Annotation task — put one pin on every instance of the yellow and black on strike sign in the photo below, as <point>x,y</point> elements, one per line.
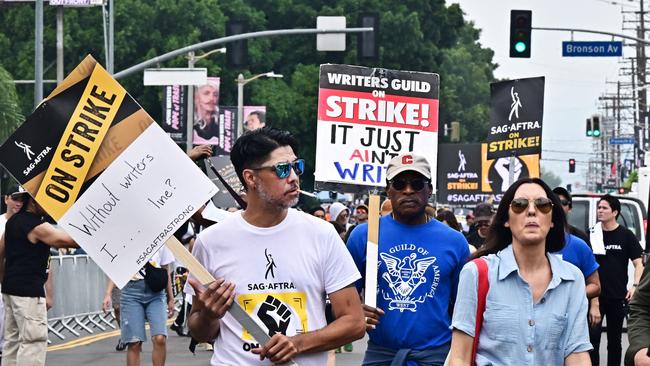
<point>516,112</point>
<point>73,135</point>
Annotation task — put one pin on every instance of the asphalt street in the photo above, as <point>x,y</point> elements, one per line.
<point>99,350</point>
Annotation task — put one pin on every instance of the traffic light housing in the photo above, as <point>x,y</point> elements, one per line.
<point>520,31</point>
<point>589,130</point>
<point>236,52</point>
<point>572,165</point>
<point>368,42</point>
<point>595,126</point>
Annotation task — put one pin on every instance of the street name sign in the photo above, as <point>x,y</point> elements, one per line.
<point>621,140</point>
<point>592,49</point>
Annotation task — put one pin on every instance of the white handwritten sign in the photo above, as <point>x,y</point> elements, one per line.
<point>136,204</point>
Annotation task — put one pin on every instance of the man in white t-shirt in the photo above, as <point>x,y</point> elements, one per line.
<point>277,263</point>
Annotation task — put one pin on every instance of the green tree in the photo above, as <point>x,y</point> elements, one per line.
<point>552,179</point>
<point>10,116</point>
<point>417,35</point>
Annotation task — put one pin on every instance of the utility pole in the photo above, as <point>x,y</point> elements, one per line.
<point>59,44</point>
<point>641,136</point>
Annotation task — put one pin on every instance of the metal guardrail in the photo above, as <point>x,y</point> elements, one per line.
<point>79,287</point>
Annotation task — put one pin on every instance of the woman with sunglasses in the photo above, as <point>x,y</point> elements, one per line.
<point>536,310</point>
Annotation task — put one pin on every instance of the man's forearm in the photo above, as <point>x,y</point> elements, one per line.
<point>593,290</point>
<point>343,330</point>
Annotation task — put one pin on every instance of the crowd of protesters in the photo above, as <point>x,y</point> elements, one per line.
<point>519,286</point>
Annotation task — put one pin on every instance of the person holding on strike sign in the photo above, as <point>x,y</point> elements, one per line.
<point>535,307</point>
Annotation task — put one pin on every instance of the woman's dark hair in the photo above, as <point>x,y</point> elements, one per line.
<point>450,218</point>
<point>313,210</point>
<point>499,236</point>
<point>253,148</point>
<point>338,227</point>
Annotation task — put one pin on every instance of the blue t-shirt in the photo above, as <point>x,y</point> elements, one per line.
<point>578,253</point>
<point>417,280</point>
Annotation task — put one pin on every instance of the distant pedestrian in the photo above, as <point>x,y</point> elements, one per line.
<point>621,247</point>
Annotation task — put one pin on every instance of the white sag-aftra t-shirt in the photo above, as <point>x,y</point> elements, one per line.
<point>282,275</point>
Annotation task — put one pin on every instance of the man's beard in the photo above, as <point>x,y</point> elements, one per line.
<point>266,197</point>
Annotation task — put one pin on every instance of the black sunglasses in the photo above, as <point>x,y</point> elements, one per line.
<point>416,184</point>
<point>565,202</point>
<point>283,170</point>
<point>543,204</point>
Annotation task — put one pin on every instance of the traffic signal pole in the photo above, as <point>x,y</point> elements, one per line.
<point>218,41</point>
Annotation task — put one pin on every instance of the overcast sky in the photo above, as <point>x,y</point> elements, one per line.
<point>573,85</point>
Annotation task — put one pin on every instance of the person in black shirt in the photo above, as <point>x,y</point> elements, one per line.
<point>621,246</point>
<point>482,216</point>
<point>24,261</point>
<point>567,205</point>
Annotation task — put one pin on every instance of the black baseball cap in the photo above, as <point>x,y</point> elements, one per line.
<point>16,191</point>
<point>563,192</point>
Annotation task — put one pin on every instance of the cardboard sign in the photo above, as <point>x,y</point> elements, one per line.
<point>110,176</point>
<point>467,176</point>
<point>516,112</point>
<point>223,198</point>
<point>367,116</point>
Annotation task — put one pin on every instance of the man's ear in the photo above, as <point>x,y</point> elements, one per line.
<point>249,178</point>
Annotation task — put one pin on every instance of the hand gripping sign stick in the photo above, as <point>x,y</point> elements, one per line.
<point>205,277</point>
<point>372,252</point>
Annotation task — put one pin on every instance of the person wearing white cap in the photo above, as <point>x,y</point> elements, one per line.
<point>420,260</point>
<point>339,214</point>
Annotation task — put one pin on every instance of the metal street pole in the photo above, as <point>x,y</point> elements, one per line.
<point>190,105</point>
<point>111,33</point>
<point>218,41</point>
<point>240,96</point>
<point>38,54</point>
<point>240,104</point>
<point>59,44</point>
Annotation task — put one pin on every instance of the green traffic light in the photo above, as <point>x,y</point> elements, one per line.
<point>596,133</point>
<point>520,46</point>
<point>589,133</point>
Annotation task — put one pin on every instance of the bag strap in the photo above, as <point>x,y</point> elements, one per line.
<point>483,287</point>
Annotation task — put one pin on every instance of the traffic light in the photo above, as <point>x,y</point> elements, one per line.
<point>236,52</point>
<point>589,132</point>
<point>572,165</point>
<point>595,126</point>
<point>520,30</point>
<point>368,42</point>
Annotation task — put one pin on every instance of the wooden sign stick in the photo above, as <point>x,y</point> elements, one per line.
<point>184,256</point>
<point>372,252</point>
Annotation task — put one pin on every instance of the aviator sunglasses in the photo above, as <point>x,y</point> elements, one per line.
<point>283,170</point>
<point>416,184</point>
<point>543,204</point>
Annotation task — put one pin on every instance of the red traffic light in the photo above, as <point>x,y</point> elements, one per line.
<point>572,165</point>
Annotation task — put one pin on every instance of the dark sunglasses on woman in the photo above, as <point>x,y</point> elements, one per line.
<point>543,204</point>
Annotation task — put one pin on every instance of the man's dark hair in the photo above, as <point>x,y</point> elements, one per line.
<point>254,147</point>
<point>260,115</point>
<point>614,203</point>
<point>499,236</point>
<point>313,210</point>
<point>563,192</point>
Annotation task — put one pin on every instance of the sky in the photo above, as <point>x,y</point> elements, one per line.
<point>573,84</point>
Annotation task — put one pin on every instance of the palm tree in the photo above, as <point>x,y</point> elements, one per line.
<point>10,116</point>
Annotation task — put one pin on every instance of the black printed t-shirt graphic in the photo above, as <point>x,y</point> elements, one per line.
<point>26,262</point>
<point>620,247</point>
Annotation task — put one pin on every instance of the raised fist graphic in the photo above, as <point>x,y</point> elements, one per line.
<point>275,315</point>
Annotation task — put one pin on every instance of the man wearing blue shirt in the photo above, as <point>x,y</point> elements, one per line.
<point>419,263</point>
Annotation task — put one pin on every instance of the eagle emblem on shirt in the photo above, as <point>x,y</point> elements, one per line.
<point>404,276</point>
